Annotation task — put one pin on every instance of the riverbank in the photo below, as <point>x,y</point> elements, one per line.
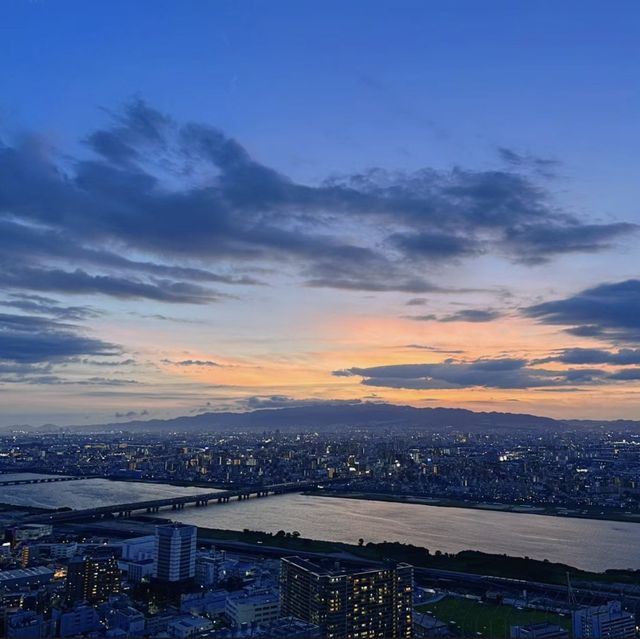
<point>554,511</point>
<point>32,510</point>
<point>467,561</point>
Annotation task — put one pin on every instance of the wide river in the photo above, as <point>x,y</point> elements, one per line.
<point>585,543</point>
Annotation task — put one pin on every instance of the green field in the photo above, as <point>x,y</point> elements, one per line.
<point>473,617</point>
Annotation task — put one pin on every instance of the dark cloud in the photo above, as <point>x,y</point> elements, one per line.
<point>57,380</point>
<point>503,373</point>
<point>103,381</point>
<point>17,238</point>
<point>608,311</point>
<point>537,243</point>
<point>31,339</point>
<point>166,318</point>
<point>48,306</point>
<point>433,349</point>
<point>434,246</point>
<point>622,357</point>
<point>363,283</point>
<point>131,414</point>
<point>472,315</point>
<point>95,362</point>
<point>184,199</point>
<point>80,282</point>
<point>465,315</point>
<point>193,362</point>
<point>12,372</point>
<point>283,401</point>
<point>627,374</point>
<point>361,269</point>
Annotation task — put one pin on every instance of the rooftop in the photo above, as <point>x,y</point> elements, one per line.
<point>25,573</point>
<point>332,568</point>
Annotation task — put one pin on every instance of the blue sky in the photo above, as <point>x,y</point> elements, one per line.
<point>519,120</point>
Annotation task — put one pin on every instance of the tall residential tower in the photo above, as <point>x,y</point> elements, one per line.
<point>349,601</point>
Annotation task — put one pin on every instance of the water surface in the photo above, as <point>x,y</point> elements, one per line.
<point>584,543</point>
<point>87,493</point>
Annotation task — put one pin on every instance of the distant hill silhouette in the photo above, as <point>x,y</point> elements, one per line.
<point>333,416</point>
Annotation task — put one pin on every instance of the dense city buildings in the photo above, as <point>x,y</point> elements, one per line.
<point>348,602</point>
<point>582,471</point>
<point>135,572</point>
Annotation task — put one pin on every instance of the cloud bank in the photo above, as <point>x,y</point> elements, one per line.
<point>193,211</point>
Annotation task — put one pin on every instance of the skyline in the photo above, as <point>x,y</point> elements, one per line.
<point>261,205</point>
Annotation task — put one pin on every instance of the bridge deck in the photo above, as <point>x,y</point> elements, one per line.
<point>153,505</point>
<point>38,480</point>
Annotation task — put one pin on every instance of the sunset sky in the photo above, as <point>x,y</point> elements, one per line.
<point>227,205</point>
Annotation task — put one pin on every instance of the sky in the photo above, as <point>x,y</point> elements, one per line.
<point>229,205</point>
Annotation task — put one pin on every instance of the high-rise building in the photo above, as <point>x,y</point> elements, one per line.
<point>176,552</point>
<point>348,601</point>
<point>93,578</point>
<point>603,621</point>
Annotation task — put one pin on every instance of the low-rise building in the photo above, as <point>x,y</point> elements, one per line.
<point>127,619</point>
<point>136,571</point>
<point>78,621</point>
<point>139,548</point>
<point>25,578</point>
<point>188,626</point>
<point>247,607</point>
<point>209,569</point>
<point>25,623</point>
<point>209,602</point>
<point>287,627</point>
<point>603,621</point>
<point>543,630</point>
<point>425,625</point>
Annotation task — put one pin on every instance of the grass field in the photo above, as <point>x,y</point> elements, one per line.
<point>474,617</point>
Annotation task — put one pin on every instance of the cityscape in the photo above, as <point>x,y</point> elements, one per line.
<point>319,319</point>
<point>127,562</point>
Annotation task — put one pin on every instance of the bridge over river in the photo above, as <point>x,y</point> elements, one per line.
<point>174,503</point>
<point>40,480</point>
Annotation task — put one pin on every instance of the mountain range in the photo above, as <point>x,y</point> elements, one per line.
<point>342,415</point>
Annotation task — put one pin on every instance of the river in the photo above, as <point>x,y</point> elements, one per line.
<point>584,543</point>
<point>86,493</point>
